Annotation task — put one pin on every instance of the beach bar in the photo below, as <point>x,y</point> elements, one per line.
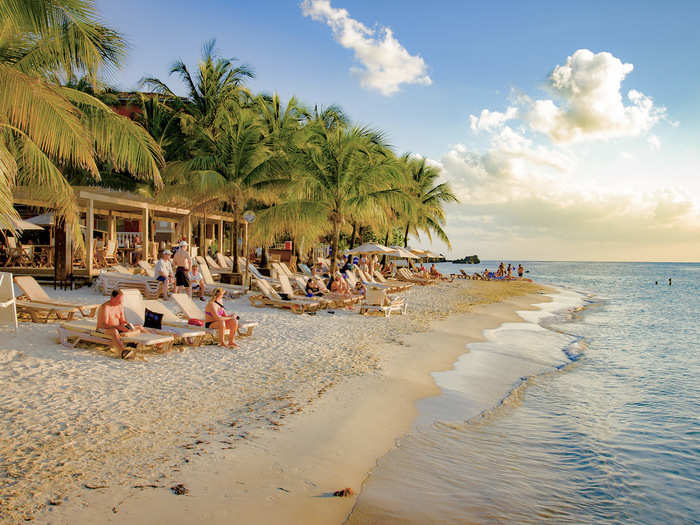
<point>145,226</point>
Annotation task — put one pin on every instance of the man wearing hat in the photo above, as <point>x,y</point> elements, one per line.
<point>183,263</point>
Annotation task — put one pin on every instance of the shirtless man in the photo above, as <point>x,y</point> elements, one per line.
<point>182,262</point>
<point>111,321</point>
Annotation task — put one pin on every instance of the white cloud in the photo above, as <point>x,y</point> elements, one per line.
<point>592,106</point>
<point>520,202</point>
<point>654,142</point>
<point>491,120</point>
<point>385,63</point>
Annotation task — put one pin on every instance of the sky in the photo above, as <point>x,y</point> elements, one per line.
<point>569,131</point>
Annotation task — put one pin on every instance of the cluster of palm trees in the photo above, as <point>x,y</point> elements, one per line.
<point>308,174</point>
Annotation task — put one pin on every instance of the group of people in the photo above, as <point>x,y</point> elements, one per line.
<point>112,322</point>
<point>187,277</point>
<point>504,272</point>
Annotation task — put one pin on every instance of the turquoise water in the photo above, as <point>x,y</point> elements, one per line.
<point>595,411</point>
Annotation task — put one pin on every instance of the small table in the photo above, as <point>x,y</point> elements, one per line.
<point>231,278</point>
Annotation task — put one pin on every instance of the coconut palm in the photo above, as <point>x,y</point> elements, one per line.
<point>345,173</point>
<point>226,167</point>
<point>48,130</point>
<point>427,214</point>
<point>213,91</point>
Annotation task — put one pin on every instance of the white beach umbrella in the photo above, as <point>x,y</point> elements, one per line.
<point>403,253</point>
<point>370,248</point>
<point>45,219</point>
<point>22,225</point>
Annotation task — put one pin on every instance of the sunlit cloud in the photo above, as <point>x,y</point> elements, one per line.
<point>384,63</point>
<point>591,105</point>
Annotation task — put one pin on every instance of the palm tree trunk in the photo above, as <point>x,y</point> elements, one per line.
<point>352,237</point>
<point>334,246</point>
<point>405,236</point>
<point>386,243</point>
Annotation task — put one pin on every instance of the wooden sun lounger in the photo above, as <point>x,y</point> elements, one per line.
<point>42,313</point>
<point>210,285</point>
<point>400,286</point>
<point>192,311</point>
<point>32,291</point>
<point>108,281</point>
<point>147,268</point>
<point>379,301</point>
<point>336,300</point>
<point>270,297</point>
<point>404,275</point>
<point>135,312</point>
<point>391,288</point>
<point>223,264</point>
<point>86,331</point>
<point>286,288</point>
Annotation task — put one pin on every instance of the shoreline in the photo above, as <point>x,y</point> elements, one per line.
<point>288,476</point>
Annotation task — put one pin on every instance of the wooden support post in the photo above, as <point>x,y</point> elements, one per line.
<point>111,226</point>
<point>145,241</point>
<point>188,230</point>
<point>220,244</point>
<point>203,236</point>
<point>90,244</point>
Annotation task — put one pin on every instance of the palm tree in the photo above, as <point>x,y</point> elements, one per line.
<point>345,172</point>
<point>49,130</point>
<point>212,93</point>
<point>427,215</point>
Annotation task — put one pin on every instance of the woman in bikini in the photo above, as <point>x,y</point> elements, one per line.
<point>216,317</point>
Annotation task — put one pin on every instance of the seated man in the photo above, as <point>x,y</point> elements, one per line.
<point>111,321</point>
<point>196,281</point>
<point>163,271</point>
<point>434,272</point>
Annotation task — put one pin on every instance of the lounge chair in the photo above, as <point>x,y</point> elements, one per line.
<point>223,264</point>
<point>135,313</point>
<point>405,275</point>
<point>86,331</point>
<point>286,288</point>
<point>147,268</point>
<point>210,285</point>
<point>216,271</point>
<point>42,313</point>
<point>270,297</point>
<point>8,309</point>
<point>108,281</point>
<point>391,288</point>
<point>305,269</point>
<point>110,254</point>
<point>260,277</point>
<point>336,300</point>
<point>213,264</point>
<point>392,282</point>
<point>118,268</point>
<point>379,301</point>
<point>33,292</point>
<point>193,311</point>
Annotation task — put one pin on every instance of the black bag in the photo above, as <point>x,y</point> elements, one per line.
<point>153,320</point>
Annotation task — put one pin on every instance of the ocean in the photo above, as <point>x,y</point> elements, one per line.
<point>588,412</point>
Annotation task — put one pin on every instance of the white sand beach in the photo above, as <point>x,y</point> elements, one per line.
<point>264,433</point>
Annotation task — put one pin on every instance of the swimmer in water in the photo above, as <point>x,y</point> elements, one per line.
<point>670,282</point>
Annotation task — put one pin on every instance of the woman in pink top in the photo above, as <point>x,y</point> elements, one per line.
<point>216,317</point>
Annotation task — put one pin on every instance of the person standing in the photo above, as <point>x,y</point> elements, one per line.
<point>183,262</point>
<point>520,271</point>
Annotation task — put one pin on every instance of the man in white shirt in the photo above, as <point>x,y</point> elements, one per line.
<point>196,281</point>
<point>163,271</point>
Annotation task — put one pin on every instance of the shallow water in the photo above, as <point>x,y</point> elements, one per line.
<point>592,411</point>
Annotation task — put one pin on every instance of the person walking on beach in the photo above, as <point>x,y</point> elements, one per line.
<point>111,322</point>
<point>521,270</point>
<point>183,262</point>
